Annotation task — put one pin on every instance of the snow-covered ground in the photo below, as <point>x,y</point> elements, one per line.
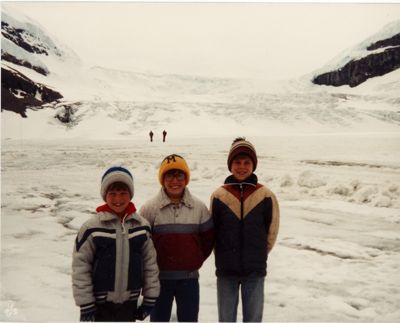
<point>338,252</point>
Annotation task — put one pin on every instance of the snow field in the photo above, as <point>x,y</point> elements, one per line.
<point>337,256</point>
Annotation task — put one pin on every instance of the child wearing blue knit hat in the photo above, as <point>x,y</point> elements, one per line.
<point>114,260</point>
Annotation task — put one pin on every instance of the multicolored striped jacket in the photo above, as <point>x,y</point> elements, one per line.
<point>246,220</point>
<point>183,235</point>
<point>114,260</point>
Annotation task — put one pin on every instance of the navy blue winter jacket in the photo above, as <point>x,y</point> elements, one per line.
<point>246,221</point>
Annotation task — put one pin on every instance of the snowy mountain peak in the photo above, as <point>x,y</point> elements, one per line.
<point>388,36</point>
<point>26,43</point>
<point>126,104</point>
<point>27,36</point>
<point>30,61</point>
<point>375,56</point>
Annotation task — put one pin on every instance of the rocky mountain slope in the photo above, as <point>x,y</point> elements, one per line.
<point>19,92</point>
<point>28,57</point>
<point>45,81</point>
<point>374,57</point>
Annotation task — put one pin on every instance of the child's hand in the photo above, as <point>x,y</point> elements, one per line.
<point>88,313</point>
<point>143,311</point>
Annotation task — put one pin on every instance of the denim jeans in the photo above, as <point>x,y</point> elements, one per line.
<point>187,296</point>
<point>252,293</point>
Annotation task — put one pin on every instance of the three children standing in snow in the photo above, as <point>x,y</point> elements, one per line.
<point>120,255</point>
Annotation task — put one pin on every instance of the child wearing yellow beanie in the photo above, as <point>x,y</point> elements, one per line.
<point>183,235</point>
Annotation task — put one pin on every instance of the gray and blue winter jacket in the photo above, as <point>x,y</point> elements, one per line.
<point>114,260</point>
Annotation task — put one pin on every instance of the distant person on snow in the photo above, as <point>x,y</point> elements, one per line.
<point>183,235</point>
<point>246,220</point>
<point>114,259</point>
<point>164,135</point>
<point>151,134</point>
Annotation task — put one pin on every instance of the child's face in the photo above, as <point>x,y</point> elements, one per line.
<point>242,167</point>
<point>174,183</point>
<point>118,200</point>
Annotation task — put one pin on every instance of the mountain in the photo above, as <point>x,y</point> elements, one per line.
<point>63,98</point>
<point>28,58</point>
<point>19,92</point>
<point>376,56</point>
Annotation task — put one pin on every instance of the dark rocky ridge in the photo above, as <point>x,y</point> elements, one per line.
<point>19,92</point>
<point>358,71</point>
<point>16,36</point>
<point>393,41</point>
<point>12,59</point>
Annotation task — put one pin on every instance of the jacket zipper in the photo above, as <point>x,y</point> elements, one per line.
<point>123,224</point>
<point>118,287</point>
<point>241,229</point>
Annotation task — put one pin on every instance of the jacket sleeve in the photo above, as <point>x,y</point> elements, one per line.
<point>207,233</point>
<point>274,226</point>
<point>82,266</point>
<point>212,206</point>
<point>215,208</point>
<point>151,288</point>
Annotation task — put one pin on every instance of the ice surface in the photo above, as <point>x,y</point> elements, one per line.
<point>338,252</point>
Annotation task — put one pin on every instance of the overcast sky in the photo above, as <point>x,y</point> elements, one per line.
<point>269,40</point>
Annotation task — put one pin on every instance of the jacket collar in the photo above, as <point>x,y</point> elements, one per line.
<point>163,200</point>
<point>107,214</point>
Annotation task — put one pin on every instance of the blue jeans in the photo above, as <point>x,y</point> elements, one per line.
<point>187,296</point>
<point>252,292</point>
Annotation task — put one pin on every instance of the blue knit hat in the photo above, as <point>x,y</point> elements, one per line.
<point>113,175</point>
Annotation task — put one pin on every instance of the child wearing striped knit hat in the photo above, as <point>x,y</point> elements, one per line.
<point>114,259</point>
<point>246,221</point>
